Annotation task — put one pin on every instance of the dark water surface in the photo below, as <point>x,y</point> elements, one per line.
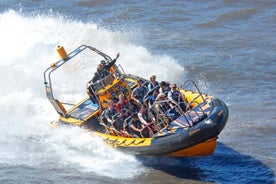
<point>227,47</point>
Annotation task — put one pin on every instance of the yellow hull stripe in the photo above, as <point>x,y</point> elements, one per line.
<point>115,141</point>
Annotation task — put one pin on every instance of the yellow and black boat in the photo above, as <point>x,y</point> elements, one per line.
<point>192,132</point>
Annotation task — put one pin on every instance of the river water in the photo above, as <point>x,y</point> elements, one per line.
<point>226,46</point>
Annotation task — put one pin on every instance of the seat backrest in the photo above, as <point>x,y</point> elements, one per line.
<point>127,120</point>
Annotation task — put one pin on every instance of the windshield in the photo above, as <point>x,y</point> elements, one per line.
<point>68,83</point>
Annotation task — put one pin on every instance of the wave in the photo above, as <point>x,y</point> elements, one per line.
<point>28,44</point>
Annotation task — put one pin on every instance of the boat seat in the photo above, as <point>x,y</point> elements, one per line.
<point>126,126</point>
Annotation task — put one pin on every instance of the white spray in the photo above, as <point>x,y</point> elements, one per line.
<point>27,48</point>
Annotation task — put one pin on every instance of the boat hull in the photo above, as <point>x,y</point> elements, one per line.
<point>198,140</point>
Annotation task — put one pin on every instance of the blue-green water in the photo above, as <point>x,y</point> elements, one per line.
<point>227,47</point>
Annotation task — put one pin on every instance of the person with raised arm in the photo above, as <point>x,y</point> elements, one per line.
<point>103,69</point>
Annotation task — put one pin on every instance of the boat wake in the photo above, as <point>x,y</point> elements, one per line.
<point>27,138</point>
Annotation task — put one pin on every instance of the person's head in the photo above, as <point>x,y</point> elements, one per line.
<point>163,84</point>
<point>153,78</point>
<point>173,87</point>
<point>134,117</point>
<point>110,103</point>
<point>100,67</point>
<point>140,82</point>
<point>144,108</point>
<point>122,112</point>
<point>121,97</point>
<point>155,92</point>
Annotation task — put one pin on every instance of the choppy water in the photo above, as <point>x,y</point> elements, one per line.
<point>227,47</point>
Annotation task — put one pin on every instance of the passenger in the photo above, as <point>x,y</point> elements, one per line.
<point>162,105</point>
<point>122,103</point>
<point>109,113</point>
<point>139,92</point>
<point>103,69</point>
<point>133,107</point>
<point>172,112</point>
<point>144,117</point>
<point>164,87</point>
<point>164,109</point>
<point>177,97</point>
<point>153,83</point>
<point>119,122</point>
<point>153,97</point>
<point>114,97</point>
<point>137,128</point>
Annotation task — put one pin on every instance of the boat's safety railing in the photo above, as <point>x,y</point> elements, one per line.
<point>120,70</point>
<point>145,132</point>
<point>126,127</point>
<point>163,112</point>
<point>93,88</point>
<point>200,113</point>
<point>54,66</point>
<point>149,93</point>
<point>109,126</point>
<point>123,131</point>
<point>200,95</point>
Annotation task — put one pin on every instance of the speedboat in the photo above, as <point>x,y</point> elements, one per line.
<point>190,132</point>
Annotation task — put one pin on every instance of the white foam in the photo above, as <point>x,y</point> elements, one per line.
<point>28,48</point>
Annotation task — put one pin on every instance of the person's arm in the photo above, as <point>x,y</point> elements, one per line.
<point>113,62</point>
<point>134,128</point>
<point>142,119</point>
<point>170,95</point>
<point>133,94</point>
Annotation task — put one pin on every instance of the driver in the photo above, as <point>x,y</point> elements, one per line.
<point>103,69</point>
